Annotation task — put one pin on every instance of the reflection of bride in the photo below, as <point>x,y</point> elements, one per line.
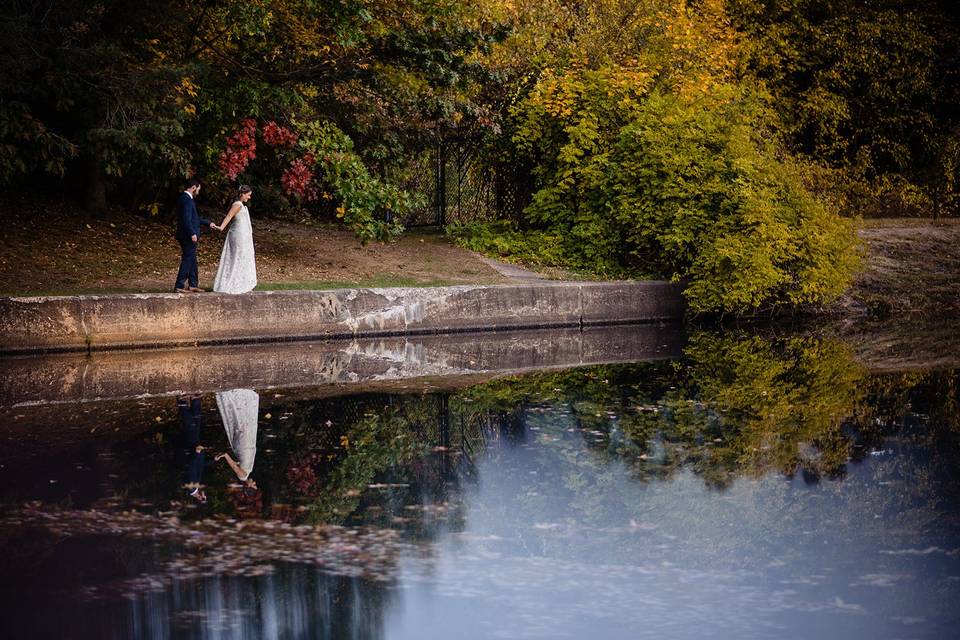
<point>239,409</point>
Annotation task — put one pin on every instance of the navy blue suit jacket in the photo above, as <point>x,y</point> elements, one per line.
<point>189,222</point>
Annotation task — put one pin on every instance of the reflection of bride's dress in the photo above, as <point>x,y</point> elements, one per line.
<point>237,272</point>
<point>239,409</point>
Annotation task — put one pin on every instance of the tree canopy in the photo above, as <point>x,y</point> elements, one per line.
<point>716,142</point>
<point>135,97</point>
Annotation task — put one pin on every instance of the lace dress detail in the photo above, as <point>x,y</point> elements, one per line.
<point>239,409</point>
<point>237,272</point>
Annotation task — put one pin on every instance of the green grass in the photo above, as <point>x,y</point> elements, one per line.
<point>375,282</point>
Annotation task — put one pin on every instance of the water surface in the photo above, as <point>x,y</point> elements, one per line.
<point>752,488</point>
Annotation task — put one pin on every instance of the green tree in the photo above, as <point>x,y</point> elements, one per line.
<point>697,194</point>
<point>133,98</point>
<point>868,88</point>
<point>654,157</point>
<point>87,91</point>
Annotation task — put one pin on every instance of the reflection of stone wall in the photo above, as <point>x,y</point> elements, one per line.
<point>74,377</point>
<point>82,323</point>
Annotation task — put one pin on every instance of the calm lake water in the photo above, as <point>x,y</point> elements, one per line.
<point>752,488</point>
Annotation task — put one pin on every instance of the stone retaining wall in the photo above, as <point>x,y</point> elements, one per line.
<point>93,322</point>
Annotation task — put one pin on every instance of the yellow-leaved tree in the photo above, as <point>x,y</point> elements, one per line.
<point>652,155</point>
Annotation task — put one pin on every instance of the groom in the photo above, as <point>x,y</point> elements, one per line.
<point>189,224</point>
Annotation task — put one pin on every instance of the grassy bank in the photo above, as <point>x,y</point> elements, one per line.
<point>911,270</point>
<point>54,249</point>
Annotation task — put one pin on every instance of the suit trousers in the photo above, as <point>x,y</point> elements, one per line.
<point>189,272</point>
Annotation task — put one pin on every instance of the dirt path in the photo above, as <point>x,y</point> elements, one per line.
<point>52,251</point>
<point>513,272</point>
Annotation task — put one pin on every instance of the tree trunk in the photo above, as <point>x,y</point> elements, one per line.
<point>95,195</point>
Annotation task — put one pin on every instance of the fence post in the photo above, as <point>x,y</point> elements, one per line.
<point>441,178</point>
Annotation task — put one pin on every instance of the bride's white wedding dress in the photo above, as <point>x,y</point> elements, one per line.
<point>237,272</point>
<point>239,410</point>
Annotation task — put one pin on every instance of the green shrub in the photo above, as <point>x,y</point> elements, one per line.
<point>502,239</point>
<point>362,194</point>
<point>698,195</point>
<point>686,187</point>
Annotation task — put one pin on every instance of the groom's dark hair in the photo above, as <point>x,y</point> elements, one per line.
<point>192,182</point>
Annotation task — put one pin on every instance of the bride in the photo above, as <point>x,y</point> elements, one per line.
<point>237,272</point>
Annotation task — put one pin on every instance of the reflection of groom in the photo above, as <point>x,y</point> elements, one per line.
<point>194,458</point>
<point>189,224</point>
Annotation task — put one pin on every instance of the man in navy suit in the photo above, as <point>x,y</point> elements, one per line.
<point>189,224</point>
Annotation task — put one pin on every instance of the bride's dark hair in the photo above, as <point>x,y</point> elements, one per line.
<point>242,189</point>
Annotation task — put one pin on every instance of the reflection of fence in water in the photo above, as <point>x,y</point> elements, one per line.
<point>456,432</point>
<point>460,432</point>
<point>476,431</point>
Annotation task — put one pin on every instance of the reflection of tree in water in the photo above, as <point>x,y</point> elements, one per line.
<point>781,404</point>
<point>389,461</point>
<point>733,405</point>
<point>293,602</point>
<point>385,460</point>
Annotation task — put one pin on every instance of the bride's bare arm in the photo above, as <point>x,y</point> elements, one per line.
<point>237,469</point>
<point>233,211</point>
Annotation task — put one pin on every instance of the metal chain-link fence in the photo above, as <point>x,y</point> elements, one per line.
<point>463,183</point>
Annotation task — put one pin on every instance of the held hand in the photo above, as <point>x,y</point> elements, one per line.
<point>193,238</point>
<point>214,226</point>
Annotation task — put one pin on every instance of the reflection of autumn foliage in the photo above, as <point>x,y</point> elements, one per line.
<point>302,474</point>
<point>782,403</point>
<point>329,466</point>
<point>219,545</point>
<point>247,502</point>
<point>735,404</point>
<point>373,444</point>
